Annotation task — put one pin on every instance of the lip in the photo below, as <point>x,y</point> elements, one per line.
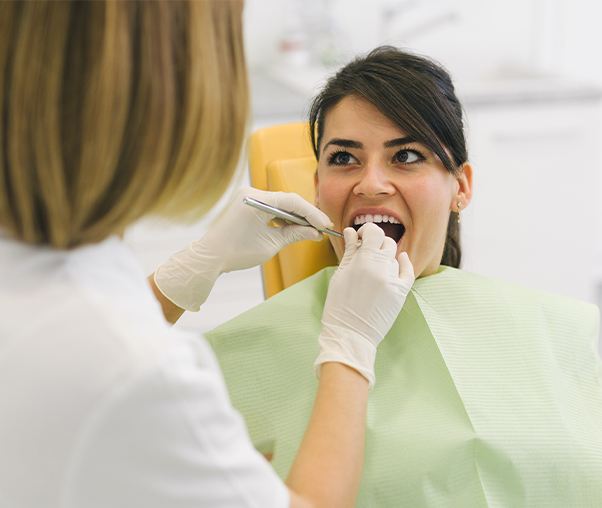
<point>373,211</point>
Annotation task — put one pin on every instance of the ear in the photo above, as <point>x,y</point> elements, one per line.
<point>464,191</point>
<point>316,187</point>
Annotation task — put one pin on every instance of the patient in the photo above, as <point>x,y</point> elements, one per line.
<point>487,394</point>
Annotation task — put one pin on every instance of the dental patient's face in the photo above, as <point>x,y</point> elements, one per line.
<point>369,171</point>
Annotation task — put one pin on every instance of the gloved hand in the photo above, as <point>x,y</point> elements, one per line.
<point>241,237</point>
<point>365,295</point>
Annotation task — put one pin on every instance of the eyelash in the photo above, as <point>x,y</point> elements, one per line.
<point>333,156</point>
<point>417,153</point>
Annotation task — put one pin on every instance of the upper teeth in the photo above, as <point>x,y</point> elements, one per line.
<point>362,219</point>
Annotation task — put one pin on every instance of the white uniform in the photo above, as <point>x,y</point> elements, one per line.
<point>102,403</point>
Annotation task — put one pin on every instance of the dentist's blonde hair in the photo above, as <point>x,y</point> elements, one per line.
<point>112,110</point>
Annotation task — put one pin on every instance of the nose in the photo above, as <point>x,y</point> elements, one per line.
<point>373,182</point>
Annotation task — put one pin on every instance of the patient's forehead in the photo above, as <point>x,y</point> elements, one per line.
<point>356,118</point>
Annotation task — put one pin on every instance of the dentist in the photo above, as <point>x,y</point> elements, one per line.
<point>111,111</point>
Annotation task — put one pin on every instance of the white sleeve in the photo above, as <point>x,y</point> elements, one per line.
<point>171,438</point>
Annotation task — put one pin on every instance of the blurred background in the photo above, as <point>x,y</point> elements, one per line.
<point>529,74</point>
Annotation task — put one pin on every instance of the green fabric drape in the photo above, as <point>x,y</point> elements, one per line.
<point>487,394</point>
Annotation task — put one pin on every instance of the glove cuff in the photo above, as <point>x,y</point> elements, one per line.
<point>338,344</point>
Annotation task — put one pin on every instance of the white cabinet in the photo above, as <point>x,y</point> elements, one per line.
<point>535,216</point>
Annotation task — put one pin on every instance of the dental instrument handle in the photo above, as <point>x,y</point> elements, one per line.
<point>286,215</point>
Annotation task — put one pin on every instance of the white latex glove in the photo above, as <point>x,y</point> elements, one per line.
<point>365,295</point>
<point>241,237</point>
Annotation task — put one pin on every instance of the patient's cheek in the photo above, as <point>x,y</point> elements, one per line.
<point>432,190</point>
<point>331,194</point>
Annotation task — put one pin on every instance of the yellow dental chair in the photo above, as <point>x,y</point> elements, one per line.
<point>281,159</point>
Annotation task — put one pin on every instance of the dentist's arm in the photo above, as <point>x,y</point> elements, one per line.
<point>240,238</point>
<point>170,310</point>
<point>365,296</point>
<point>328,467</point>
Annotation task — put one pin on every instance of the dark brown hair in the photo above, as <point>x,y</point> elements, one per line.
<point>416,94</point>
<point>111,110</point>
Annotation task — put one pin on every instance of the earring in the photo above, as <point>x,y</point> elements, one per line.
<point>459,210</point>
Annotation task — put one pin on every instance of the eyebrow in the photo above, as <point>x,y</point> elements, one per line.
<point>350,143</point>
<point>399,141</point>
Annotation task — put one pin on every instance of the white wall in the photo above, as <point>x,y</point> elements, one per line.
<point>480,36</point>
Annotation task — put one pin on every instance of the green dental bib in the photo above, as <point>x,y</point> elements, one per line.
<point>486,395</point>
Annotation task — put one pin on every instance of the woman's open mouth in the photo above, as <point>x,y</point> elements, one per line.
<point>392,227</point>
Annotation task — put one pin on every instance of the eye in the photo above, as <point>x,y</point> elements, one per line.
<point>341,158</point>
<point>407,156</point>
